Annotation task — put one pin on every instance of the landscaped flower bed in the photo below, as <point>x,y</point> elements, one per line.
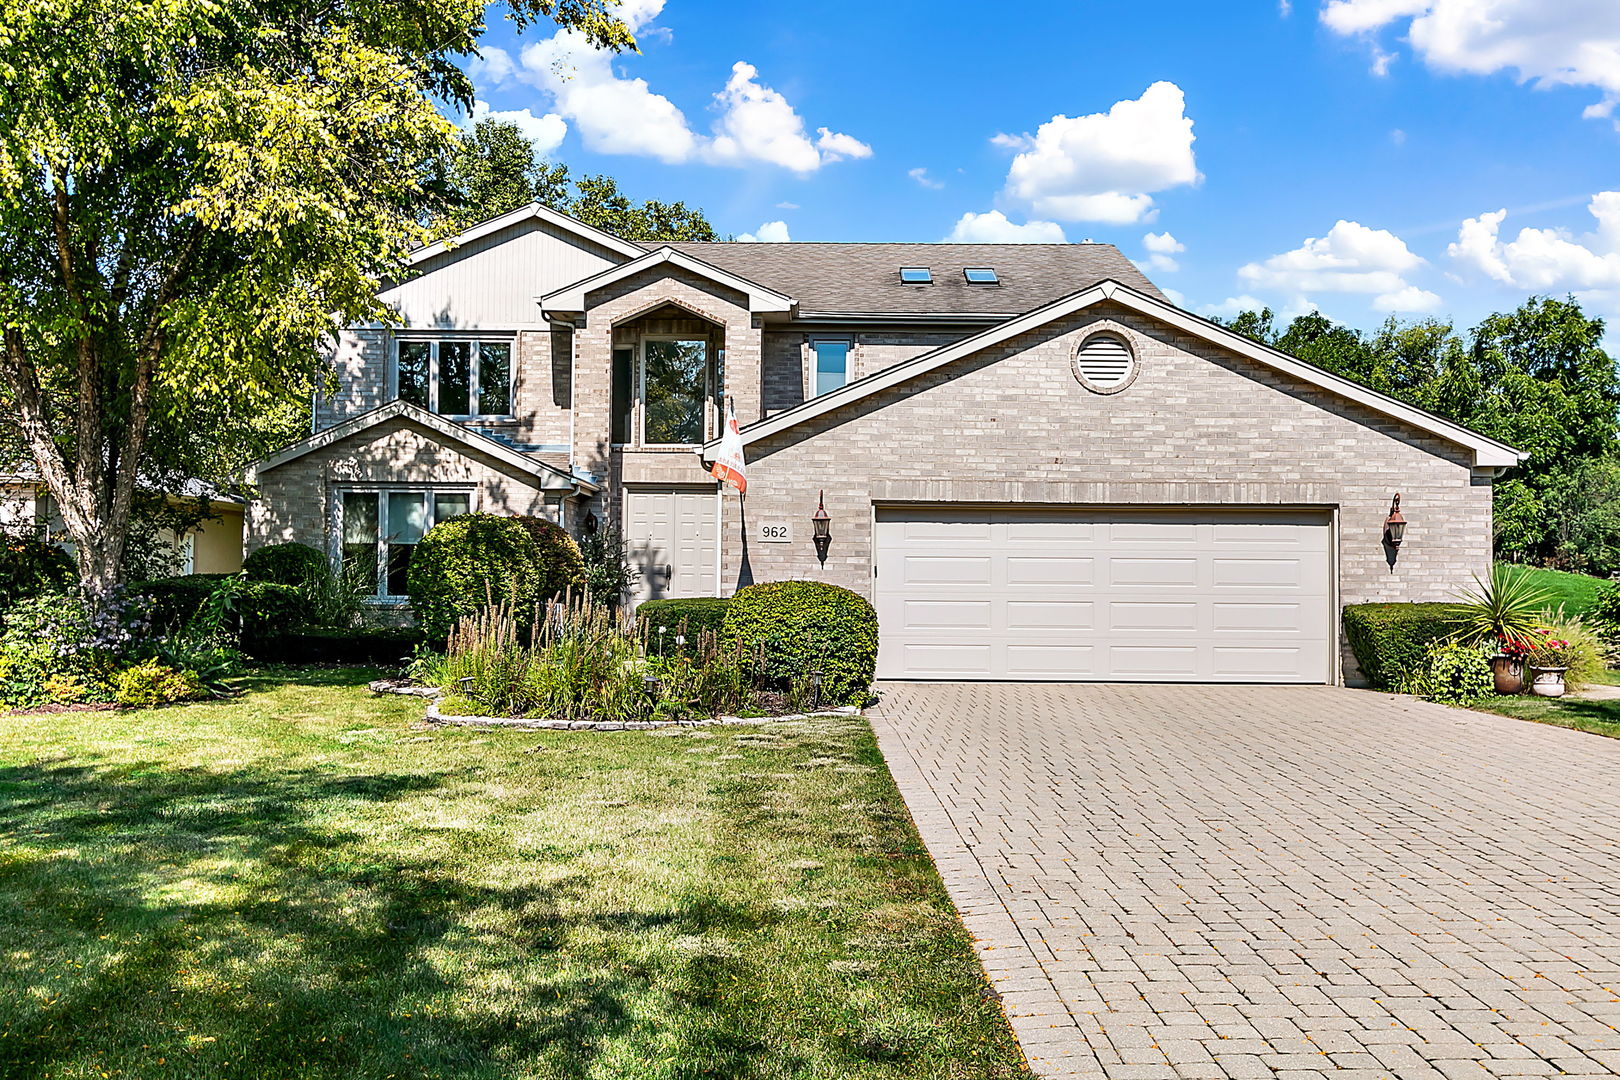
<point>581,664</point>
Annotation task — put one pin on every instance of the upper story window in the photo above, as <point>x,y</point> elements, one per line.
<point>916,275</point>
<point>455,376</point>
<point>832,366</point>
<point>981,275</point>
<point>667,392</point>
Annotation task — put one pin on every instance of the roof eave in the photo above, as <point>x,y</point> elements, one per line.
<point>570,299</point>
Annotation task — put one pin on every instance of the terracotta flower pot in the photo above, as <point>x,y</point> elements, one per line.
<point>1508,673</point>
<point>1547,681</point>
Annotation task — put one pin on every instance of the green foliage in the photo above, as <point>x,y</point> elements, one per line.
<point>1391,641</point>
<point>286,564</point>
<point>663,621</point>
<point>1536,378</point>
<point>1507,607</point>
<point>29,567</point>
<point>468,561</point>
<point>150,683</point>
<point>802,626</point>
<point>176,601</point>
<point>193,195</point>
<point>562,569</point>
<point>609,571</point>
<point>1453,673</point>
<point>491,170</point>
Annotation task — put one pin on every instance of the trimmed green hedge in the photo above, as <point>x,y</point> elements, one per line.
<point>264,609</point>
<point>466,561</point>
<point>805,626</point>
<point>31,567</point>
<point>1391,640</point>
<point>383,646</point>
<point>697,613</point>
<point>286,564</point>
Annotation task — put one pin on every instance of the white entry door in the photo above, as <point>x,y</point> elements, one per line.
<point>1068,594</point>
<point>672,534</point>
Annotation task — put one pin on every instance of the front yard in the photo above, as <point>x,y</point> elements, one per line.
<point>303,882</point>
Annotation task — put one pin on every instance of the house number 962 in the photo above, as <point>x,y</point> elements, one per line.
<point>775,532</point>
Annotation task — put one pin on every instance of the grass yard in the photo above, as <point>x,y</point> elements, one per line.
<point>1575,592</point>
<point>1597,717</point>
<point>304,883</point>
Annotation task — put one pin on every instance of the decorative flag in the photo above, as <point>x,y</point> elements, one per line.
<point>729,467</point>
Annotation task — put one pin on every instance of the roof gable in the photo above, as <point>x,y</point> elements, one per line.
<point>550,477</point>
<point>571,298</point>
<point>1488,453</point>
<point>532,212</point>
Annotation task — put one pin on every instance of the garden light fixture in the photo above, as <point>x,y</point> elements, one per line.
<point>821,524</point>
<point>1395,524</point>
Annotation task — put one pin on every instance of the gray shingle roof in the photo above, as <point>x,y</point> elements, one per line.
<point>866,277</point>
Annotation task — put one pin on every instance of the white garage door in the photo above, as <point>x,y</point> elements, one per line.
<point>1104,594</point>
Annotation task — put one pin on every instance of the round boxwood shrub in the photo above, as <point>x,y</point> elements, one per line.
<point>464,562</point>
<point>562,570</point>
<point>285,564</point>
<point>663,620</point>
<point>802,626</point>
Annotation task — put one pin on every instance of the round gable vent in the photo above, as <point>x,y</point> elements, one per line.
<point>1104,363</point>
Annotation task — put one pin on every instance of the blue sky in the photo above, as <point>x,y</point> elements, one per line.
<point>1351,155</point>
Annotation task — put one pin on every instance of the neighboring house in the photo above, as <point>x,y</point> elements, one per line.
<point>1034,464</point>
<point>214,547</point>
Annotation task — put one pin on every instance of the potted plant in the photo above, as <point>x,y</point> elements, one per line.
<point>1507,665</point>
<point>1504,611</point>
<point>1549,659</point>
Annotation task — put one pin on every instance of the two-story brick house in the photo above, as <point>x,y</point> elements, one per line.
<point>1034,464</point>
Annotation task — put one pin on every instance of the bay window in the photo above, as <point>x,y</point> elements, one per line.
<point>455,376</point>
<point>380,529</point>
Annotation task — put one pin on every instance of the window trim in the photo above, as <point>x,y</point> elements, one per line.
<point>638,406</point>
<point>381,595</point>
<point>811,370</point>
<point>474,370</point>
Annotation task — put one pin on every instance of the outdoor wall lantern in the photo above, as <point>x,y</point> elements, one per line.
<point>1395,524</point>
<point>821,525</point>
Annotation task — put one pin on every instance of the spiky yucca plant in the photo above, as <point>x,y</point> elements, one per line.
<point>1510,607</point>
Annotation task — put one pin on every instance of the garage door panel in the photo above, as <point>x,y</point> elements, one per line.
<point>1098,593</point>
<point>1050,615</point>
<point>1048,570</point>
<point>1050,661</point>
<point>1159,573</point>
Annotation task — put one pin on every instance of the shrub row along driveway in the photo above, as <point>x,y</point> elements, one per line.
<point>1284,881</point>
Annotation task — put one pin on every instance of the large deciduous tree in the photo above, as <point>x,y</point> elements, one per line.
<point>192,194</point>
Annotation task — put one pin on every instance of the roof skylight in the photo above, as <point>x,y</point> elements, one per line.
<point>916,275</point>
<point>981,275</point>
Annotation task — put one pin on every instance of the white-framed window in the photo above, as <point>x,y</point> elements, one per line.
<point>829,364</point>
<point>455,376</point>
<point>379,527</point>
<point>667,392</point>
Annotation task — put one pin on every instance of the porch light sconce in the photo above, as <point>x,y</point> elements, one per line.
<point>821,525</point>
<point>1395,524</point>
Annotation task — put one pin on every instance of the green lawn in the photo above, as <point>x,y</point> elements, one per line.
<point>304,883</point>
<point>1574,591</point>
<point>1597,717</point>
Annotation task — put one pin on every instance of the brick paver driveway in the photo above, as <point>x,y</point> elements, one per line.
<point>1207,881</point>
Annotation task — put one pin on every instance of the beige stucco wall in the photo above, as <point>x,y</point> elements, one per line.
<point>1199,426</point>
<point>216,548</point>
<point>297,500</point>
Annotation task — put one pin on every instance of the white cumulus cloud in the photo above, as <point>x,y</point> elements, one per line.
<point>1545,42</point>
<point>1162,248</point>
<point>1105,166</point>
<point>994,228</point>
<point>920,175</point>
<point>772,232</point>
<point>1547,259</point>
<point>1351,258</point>
<point>545,132</point>
<point>615,114</point>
